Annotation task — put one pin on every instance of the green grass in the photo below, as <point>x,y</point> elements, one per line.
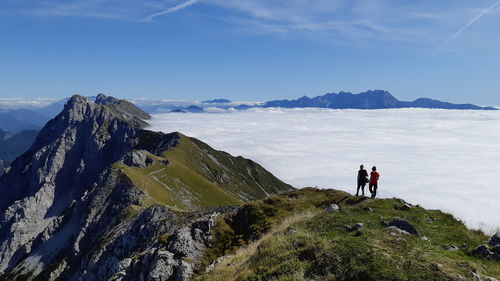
<point>319,247</point>
<point>242,178</point>
<point>192,176</point>
<point>177,186</point>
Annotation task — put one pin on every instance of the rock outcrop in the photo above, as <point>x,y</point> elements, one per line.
<point>403,225</point>
<point>92,198</point>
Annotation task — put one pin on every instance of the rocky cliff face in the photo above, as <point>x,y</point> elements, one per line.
<point>73,207</point>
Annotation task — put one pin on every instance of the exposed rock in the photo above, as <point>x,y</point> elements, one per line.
<point>496,249</point>
<point>355,227</point>
<point>495,240</point>
<point>216,262</point>
<point>332,208</point>
<point>66,158</point>
<point>137,159</point>
<point>404,207</point>
<point>368,209</point>
<point>425,238</point>
<point>68,213</point>
<point>395,230</point>
<point>404,225</point>
<point>482,251</point>
<point>476,276</point>
<point>451,248</point>
<point>183,245</point>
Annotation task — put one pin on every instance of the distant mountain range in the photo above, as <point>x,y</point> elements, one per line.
<point>373,99</point>
<point>22,118</point>
<point>376,99</point>
<point>13,145</point>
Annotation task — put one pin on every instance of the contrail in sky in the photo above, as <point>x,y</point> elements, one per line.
<point>174,9</point>
<point>472,21</point>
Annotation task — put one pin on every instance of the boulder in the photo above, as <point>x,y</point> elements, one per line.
<point>290,231</point>
<point>404,225</point>
<point>482,251</point>
<point>394,231</point>
<point>355,227</point>
<point>495,240</point>
<point>451,248</point>
<point>332,208</point>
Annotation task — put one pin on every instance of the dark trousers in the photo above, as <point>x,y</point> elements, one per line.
<point>362,186</point>
<point>373,189</point>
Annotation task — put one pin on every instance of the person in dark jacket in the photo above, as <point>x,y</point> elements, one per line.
<point>362,180</point>
<point>374,176</point>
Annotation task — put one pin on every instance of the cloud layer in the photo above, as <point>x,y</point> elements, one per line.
<point>436,158</point>
<point>21,103</point>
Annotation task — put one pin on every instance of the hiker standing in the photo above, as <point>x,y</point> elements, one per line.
<point>362,180</point>
<point>374,176</point>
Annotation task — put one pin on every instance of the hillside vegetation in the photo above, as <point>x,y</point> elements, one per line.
<point>190,175</point>
<point>292,237</point>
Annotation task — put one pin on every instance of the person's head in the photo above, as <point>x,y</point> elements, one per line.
<point>374,168</point>
<point>361,167</point>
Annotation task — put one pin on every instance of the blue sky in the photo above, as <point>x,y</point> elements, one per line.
<point>250,50</point>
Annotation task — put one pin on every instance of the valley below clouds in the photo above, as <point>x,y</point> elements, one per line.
<point>440,159</point>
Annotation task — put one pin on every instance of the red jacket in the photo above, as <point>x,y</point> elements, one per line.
<point>374,176</point>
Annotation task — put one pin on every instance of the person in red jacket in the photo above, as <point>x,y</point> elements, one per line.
<point>374,176</point>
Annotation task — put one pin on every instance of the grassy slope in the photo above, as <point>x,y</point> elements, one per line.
<point>192,175</point>
<point>320,248</point>
<point>241,177</point>
<point>177,186</point>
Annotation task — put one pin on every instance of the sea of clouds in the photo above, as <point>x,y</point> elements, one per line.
<point>440,159</point>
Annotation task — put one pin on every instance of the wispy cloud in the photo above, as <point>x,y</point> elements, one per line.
<point>476,18</point>
<point>132,10</point>
<point>472,21</point>
<point>350,21</point>
<point>171,10</point>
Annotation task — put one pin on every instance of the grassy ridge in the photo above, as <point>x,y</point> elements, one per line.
<point>291,237</point>
<point>191,175</point>
<point>177,186</point>
<point>240,177</point>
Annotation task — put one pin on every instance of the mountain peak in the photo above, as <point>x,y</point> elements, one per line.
<point>79,107</point>
<point>103,99</point>
<point>96,188</point>
<point>371,99</point>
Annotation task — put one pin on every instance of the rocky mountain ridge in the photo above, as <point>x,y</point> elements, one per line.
<point>373,99</point>
<point>72,207</point>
